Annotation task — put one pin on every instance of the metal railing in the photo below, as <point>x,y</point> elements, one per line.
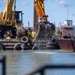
<point>42,69</point>
<point>3,62</point>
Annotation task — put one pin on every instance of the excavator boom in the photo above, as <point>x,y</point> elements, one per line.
<point>39,6</point>
<point>8,9</point>
<point>7,16</point>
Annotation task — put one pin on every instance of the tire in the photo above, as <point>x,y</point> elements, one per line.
<point>18,46</point>
<point>24,39</point>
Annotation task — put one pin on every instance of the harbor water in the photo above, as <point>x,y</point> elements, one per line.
<point>22,62</point>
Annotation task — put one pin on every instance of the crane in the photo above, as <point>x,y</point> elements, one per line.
<point>44,29</point>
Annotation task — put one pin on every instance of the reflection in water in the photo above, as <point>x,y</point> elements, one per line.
<point>41,59</point>
<point>21,62</point>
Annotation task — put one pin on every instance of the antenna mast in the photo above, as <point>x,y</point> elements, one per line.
<point>67,12</point>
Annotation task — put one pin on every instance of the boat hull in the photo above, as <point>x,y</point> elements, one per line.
<point>66,44</point>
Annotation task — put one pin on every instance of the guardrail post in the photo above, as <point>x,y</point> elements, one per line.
<point>42,72</point>
<point>4,66</point>
<point>3,62</point>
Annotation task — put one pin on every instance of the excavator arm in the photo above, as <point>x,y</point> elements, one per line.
<point>40,9</point>
<point>44,29</point>
<point>39,6</point>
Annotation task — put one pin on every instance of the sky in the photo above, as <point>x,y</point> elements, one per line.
<point>57,10</point>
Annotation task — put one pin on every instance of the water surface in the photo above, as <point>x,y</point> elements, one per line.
<point>21,62</point>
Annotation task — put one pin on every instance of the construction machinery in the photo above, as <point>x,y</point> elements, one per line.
<point>44,29</point>
<point>10,20</point>
<point>12,33</point>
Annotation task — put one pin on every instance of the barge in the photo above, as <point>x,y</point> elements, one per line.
<point>15,44</point>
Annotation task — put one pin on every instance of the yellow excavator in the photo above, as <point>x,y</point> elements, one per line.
<point>11,21</point>
<point>44,29</point>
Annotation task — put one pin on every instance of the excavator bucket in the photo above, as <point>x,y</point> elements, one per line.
<point>44,30</point>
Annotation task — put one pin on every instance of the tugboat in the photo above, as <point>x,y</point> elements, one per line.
<point>65,37</point>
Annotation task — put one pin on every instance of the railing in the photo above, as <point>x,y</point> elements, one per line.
<point>3,62</point>
<point>42,69</point>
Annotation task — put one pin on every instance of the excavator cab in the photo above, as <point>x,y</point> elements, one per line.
<point>18,17</point>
